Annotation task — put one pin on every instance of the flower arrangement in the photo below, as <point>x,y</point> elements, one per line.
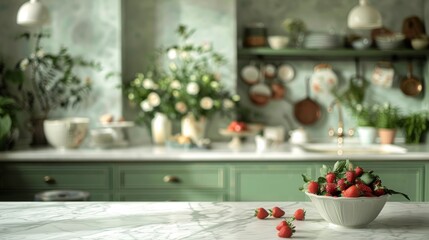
<point>188,84</point>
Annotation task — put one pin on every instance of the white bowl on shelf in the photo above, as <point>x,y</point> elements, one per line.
<point>348,212</point>
<point>66,133</point>
<point>278,42</point>
<point>420,43</point>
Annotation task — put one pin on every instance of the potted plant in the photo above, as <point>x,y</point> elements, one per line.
<point>188,86</point>
<point>49,81</point>
<point>387,121</point>
<point>365,119</point>
<point>415,126</point>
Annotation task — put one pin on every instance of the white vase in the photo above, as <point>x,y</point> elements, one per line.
<point>193,128</point>
<point>161,128</point>
<point>367,135</point>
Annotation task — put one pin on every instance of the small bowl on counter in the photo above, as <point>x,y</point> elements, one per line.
<point>66,133</point>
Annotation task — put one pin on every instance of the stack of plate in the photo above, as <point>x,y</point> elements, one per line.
<point>322,41</point>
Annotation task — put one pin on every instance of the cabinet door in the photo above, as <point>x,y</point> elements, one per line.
<point>45,176</point>
<point>269,182</point>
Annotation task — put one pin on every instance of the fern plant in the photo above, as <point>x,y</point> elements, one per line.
<point>53,78</point>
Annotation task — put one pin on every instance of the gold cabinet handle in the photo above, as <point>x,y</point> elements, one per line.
<point>49,179</point>
<point>171,179</point>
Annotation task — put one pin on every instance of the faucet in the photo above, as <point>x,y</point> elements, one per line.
<point>339,133</point>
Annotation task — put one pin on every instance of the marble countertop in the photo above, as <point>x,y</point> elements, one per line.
<point>218,152</point>
<point>195,220</point>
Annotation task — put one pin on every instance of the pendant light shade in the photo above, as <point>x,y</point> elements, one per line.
<point>32,14</point>
<point>364,16</point>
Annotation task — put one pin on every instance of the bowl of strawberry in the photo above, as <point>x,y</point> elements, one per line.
<point>347,196</point>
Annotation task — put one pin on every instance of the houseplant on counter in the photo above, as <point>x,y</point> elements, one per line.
<point>387,121</point>
<point>415,126</point>
<point>366,123</point>
<point>49,81</point>
<point>187,86</point>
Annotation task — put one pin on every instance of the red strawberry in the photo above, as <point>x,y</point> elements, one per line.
<point>350,176</point>
<point>261,213</point>
<point>276,212</point>
<point>330,177</point>
<point>368,194</point>
<point>378,191</point>
<point>287,230</point>
<point>299,214</point>
<point>341,184</point>
<point>351,192</point>
<point>313,187</point>
<point>331,188</point>
<point>283,223</point>
<point>364,188</point>
<point>358,171</point>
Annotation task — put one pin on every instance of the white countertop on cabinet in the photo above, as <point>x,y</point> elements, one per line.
<point>194,220</point>
<point>219,152</point>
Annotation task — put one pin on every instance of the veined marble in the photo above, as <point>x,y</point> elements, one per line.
<point>194,220</point>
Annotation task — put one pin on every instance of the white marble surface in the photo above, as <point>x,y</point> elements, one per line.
<point>219,152</point>
<point>181,220</point>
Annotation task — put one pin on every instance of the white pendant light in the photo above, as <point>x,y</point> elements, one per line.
<point>364,16</point>
<point>32,14</point>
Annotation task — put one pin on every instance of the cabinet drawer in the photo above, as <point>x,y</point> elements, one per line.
<point>45,176</point>
<point>171,195</point>
<point>170,176</point>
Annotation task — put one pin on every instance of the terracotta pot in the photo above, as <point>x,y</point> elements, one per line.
<point>387,136</point>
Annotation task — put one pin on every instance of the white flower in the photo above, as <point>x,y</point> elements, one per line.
<point>148,83</point>
<point>207,46</point>
<point>175,84</point>
<point>228,104</point>
<point>214,85</point>
<point>206,103</point>
<point>32,56</point>
<point>192,88</point>
<point>185,55</point>
<point>172,54</point>
<point>146,107</point>
<point>40,53</point>
<point>24,64</point>
<point>154,99</point>
<point>181,107</point>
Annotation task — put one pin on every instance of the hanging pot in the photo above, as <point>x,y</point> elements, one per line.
<point>260,94</point>
<point>411,86</point>
<point>307,111</point>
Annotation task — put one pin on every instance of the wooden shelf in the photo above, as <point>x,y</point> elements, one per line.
<point>332,53</point>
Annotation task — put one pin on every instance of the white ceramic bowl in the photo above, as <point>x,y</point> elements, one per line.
<point>348,212</point>
<point>66,133</point>
<point>388,42</point>
<point>419,43</point>
<point>278,42</point>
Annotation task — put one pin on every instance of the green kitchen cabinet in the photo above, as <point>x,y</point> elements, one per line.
<point>21,181</point>
<point>268,181</point>
<point>194,180</point>
<point>170,182</point>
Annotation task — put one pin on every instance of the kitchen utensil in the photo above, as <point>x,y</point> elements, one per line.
<point>391,41</point>
<point>383,74</point>
<point>250,74</point>
<point>307,111</point>
<point>323,79</point>
<point>260,93</point>
<point>269,71</point>
<point>286,73</point>
<point>255,35</point>
<point>278,42</point>
<point>411,86</point>
<point>278,91</point>
<point>420,43</point>
<point>298,136</point>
